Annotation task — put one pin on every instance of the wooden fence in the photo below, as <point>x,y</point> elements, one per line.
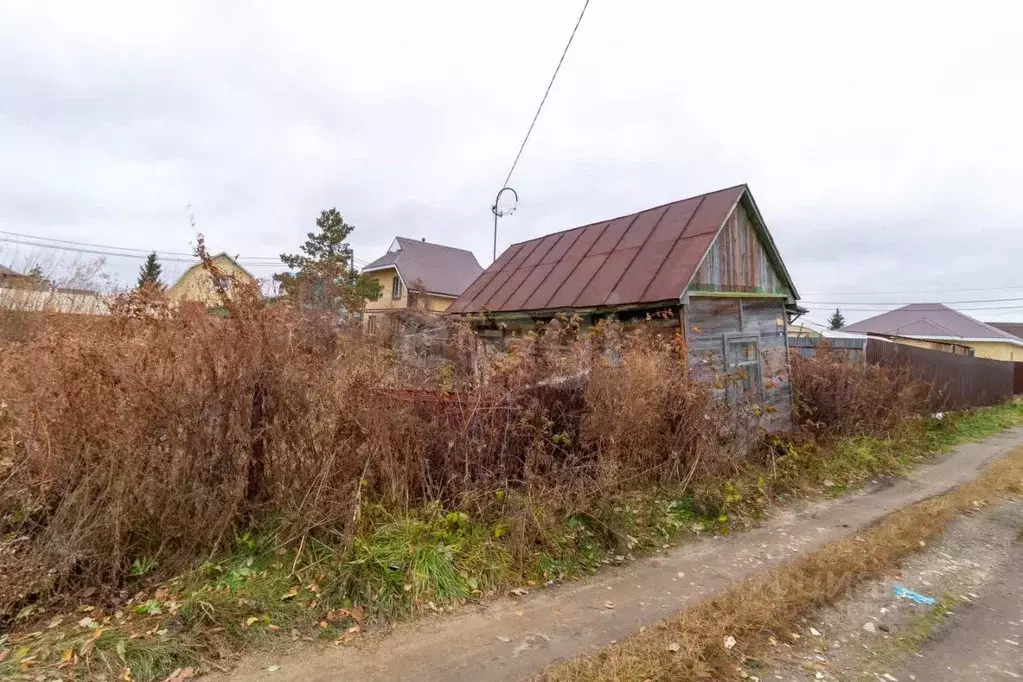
<point>964,381</point>
<point>1017,383</point>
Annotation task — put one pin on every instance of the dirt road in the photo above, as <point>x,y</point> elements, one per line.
<point>511,638</point>
<point>983,641</point>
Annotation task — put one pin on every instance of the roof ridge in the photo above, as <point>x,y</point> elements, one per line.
<point>442,246</point>
<point>635,213</point>
<point>998,332</point>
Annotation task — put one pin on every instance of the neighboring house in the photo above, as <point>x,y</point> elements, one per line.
<point>30,293</point>
<point>75,301</point>
<point>197,283</point>
<point>12,279</point>
<point>936,326</point>
<point>806,337</point>
<point>418,274</point>
<point>1014,328</point>
<point>708,263</point>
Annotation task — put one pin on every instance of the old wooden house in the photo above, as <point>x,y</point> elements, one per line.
<point>707,264</point>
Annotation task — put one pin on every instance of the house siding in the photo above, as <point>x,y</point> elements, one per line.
<point>992,350</point>
<point>710,320</point>
<point>385,278</point>
<point>197,283</point>
<point>996,350</point>
<point>386,303</point>
<point>737,261</point>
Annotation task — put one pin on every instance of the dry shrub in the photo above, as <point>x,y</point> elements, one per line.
<point>153,437</point>
<point>835,397</point>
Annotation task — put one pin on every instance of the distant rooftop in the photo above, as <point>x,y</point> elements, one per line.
<point>1014,328</point>
<point>931,321</point>
<point>441,269</point>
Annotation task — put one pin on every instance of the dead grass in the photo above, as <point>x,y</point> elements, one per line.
<point>134,446</point>
<point>836,398</point>
<point>691,645</point>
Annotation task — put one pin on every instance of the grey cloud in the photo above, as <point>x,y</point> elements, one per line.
<point>877,139</point>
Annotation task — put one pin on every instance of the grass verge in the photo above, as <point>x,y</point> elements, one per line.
<point>697,643</point>
<point>267,594</point>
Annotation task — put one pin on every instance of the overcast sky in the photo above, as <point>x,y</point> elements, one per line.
<point>882,140</point>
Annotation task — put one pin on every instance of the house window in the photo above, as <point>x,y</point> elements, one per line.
<point>371,323</point>
<point>396,288</point>
<point>742,362</point>
<point>224,282</point>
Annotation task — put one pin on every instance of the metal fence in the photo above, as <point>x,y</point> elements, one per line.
<point>964,381</point>
<point>850,350</point>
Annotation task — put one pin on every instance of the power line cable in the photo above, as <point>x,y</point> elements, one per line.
<point>887,310</point>
<point>918,291</point>
<point>132,253</point>
<point>546,93</point>
<point>898,303</point>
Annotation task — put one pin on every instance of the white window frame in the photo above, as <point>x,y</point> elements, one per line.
<point>738,388</point>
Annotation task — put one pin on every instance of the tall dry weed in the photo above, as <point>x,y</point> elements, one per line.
<point>835,397</point>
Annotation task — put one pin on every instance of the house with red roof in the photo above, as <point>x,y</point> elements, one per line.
<point>707,264</point>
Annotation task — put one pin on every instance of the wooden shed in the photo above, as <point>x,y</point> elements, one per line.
<point>708,264</point>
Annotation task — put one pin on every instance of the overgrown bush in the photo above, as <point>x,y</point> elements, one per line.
<point>135,444</point>
<point>834,397</point>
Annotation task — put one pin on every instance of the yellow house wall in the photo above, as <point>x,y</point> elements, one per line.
<point>996,350</point>
<point>385,278</point>
<point>993,350</point>
<point>930,345</point>
<point>437,304</point>
<point>197,284</point>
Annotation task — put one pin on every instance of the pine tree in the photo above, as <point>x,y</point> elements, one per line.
<point>837,320</point>
<point>149,273</point>
<point>325,276</point>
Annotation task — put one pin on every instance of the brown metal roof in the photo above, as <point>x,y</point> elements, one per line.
<point>644,257</point>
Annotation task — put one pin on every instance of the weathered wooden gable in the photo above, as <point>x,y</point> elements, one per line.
<point>737,260</point>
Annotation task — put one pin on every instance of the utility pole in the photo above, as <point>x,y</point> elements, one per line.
<point>499,213</point>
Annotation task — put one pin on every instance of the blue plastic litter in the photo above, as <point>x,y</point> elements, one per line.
<point>901,591</point>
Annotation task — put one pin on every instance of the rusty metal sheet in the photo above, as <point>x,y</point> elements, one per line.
<point>678,215</point>
<point>585,242</point>
<point>509,288</point>
<point>640,273</point>
<point>469,300</point>
<point>642,227</point>
<point>559,250</point>
<point>541,250</point>
<point>678,267</point>
<point>612,235</point>
<point>712,213</point>
<point>528,287</point>
<point>604,282</point>
<point>569,291</point>
<point>644,257</point>
<point>469,294</point>
<point>482,302</point>
<point>545,291</point>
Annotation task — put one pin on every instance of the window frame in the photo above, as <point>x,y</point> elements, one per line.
<point>737,388</point>
<point>396,288</point>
